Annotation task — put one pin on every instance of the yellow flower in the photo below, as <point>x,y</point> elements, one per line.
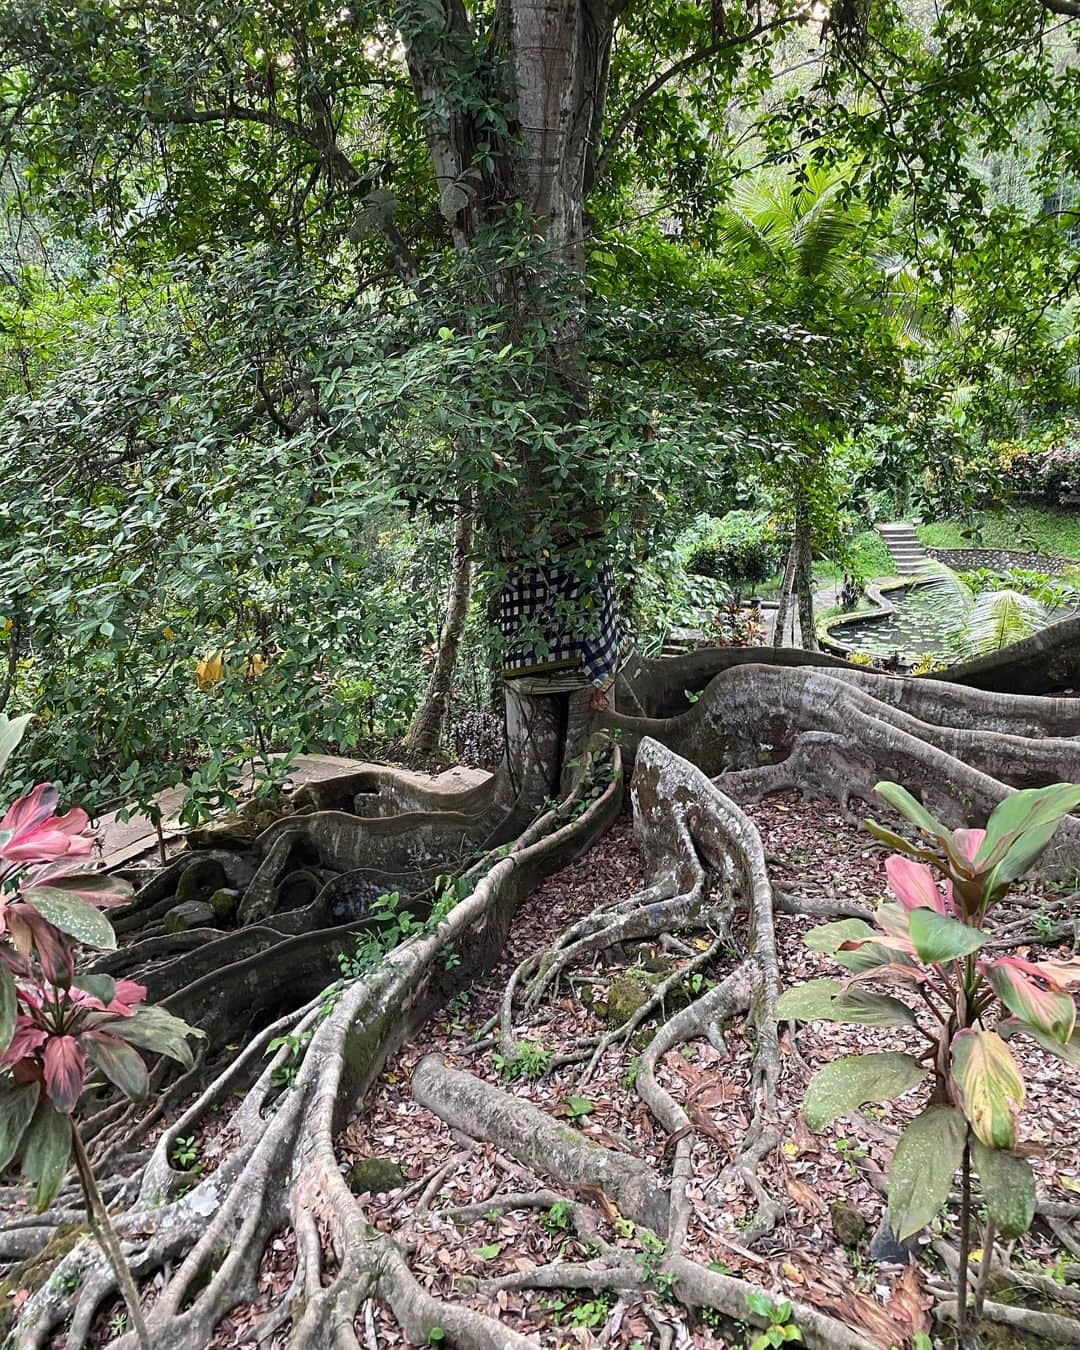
<point>169,634</point>
<point>210,671</point>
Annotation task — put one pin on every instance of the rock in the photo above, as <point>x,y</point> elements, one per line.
<point>847,1223</point>
<point>374,1175</point>
<point>885,1249</point>
<point>191,914</point>
<point>624,997</point>
<point>224,901</point>
<point>200,880</point>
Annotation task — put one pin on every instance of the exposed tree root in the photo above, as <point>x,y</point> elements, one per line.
<point>762,728</point>
<point>282,1169</point>
<point>819,726</point>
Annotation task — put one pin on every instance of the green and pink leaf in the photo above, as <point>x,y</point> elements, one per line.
<point>988,1085</point>
<point>1029,991</point>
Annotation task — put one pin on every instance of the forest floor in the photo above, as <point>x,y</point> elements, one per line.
<point>814,853</point>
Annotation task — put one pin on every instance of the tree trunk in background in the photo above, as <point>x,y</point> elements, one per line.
<point>426,731</point>
<point>804,579</point>
<point>785,595</point>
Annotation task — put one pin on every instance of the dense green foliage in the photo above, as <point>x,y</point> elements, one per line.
<point>258,345</point>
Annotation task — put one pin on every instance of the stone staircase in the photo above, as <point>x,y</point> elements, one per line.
<point>908,554</point>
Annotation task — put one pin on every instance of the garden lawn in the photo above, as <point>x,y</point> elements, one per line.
<point>1053,532</point>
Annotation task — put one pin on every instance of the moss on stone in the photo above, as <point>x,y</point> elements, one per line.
<point>374,1175</point>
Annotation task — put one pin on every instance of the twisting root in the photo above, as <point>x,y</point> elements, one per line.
<point>835,736</point>
<point>282,1171</point>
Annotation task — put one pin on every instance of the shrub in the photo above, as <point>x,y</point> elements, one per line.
<point>742,547</point>
<point>969,1001</point>
<point>63,1032</point>
<point>1046,467</point>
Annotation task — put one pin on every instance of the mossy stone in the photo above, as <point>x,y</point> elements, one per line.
<point>625,996</point>
<point>847,1223</point>
<point>191,914</point>
<point>224,901</point>
<point>374,1175</point>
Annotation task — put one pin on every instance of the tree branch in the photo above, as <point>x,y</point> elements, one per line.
<point>679,68</point>
<point>1070,8</point>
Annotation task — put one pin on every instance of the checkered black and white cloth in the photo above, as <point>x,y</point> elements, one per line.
<point>553,621</point>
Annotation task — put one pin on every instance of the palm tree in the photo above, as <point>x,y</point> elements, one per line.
<point>984,621</point>
<point>810,226</point>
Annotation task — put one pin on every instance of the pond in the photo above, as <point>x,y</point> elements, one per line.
<point>918,626</point>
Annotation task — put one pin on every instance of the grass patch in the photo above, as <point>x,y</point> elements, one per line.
<point>869,559</point>
<point>1027,528</point>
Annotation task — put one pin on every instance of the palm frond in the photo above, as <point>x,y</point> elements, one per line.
<point>942,586</point>
<point>740,231</point>
<point>999,618</point>
<point>828,227</point>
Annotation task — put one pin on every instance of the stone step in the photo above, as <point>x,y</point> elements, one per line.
<point>908,555</point>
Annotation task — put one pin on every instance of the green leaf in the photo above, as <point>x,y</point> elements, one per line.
<point>937,937</point>
<point>900,799</point>
<point>1008,1186</point>
<point>7,1007</point>
<point>101,986</point>
<point>828,937</point>
<point>121,1064</point>
<point>45,1156</point>
<point>899,843</point>
<point>862,1008</point>
<point>923,1165</point>
<point>156,1029</point>
<point>808,1002</point>
<point>1069,1053</point>
<point>1023,854</point>
<point>12,730</point>
<point>824,1001</point>
<point>17,1105</point>
<point>1028,809</point>
<point>74,917</point>
<point>872,955</point>
<point>489,1251</point>
<point>843,1086</point>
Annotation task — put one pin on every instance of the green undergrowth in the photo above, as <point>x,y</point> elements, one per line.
<point>1040,529</point>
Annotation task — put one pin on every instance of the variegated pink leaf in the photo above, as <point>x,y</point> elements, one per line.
<point>988,1085</point>
<point>913,884</point>
<point>65,1072</point>
<point>1029,991</point>
<point>968,842</point>
<point>26,1040</point>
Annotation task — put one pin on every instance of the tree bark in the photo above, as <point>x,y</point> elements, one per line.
<point>804,581</point>
<point>785,595</point>
<point>428,725</point>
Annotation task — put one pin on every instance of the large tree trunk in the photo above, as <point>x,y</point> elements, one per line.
<point>427,728</point>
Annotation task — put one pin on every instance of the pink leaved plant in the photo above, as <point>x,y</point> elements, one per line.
<point>61,1032</point>
<point>931,941</point>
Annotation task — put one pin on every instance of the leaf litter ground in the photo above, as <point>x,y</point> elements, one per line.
<point>814,853</point>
